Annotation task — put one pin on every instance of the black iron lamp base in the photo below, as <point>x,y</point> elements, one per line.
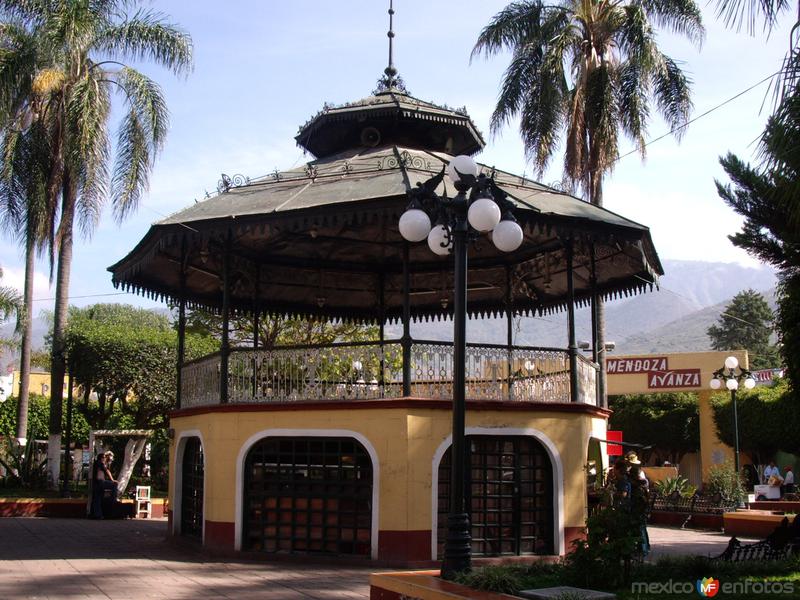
<point>457,547</point>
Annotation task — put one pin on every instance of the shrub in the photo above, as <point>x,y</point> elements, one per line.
<point>725,481</point>
<point>670,485</point>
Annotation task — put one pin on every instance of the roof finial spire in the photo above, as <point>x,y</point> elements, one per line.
<point>391,80</point>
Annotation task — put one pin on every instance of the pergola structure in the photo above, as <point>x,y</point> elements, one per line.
<point>322,242</point>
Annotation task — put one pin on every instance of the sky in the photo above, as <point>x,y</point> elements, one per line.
<point>264,67</point>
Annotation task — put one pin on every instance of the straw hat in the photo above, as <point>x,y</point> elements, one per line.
<point>632,458</point>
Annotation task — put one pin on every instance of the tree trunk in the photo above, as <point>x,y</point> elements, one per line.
<point>25,346</point>
<point>133,452</point>
<point>58,358</point>
<point>596,198</point>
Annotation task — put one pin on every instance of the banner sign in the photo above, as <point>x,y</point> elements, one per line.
<point>677,378</point>
<point>636,365</point>
<point>764,376</point>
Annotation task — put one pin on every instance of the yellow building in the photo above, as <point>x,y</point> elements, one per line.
<point>344,448</point>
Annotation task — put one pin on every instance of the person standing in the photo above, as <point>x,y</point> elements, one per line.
<point>102,480</point>
<point>771,471</point>
<point>788,481</point>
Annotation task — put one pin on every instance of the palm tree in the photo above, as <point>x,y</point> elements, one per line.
<point>587,72</point>
<point>23,201</point>
<point>88,41</point>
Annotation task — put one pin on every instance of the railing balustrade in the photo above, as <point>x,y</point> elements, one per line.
<point>369,370</point>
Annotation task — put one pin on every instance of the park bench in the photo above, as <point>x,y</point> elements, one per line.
<point>713,504</point>
<point>779,545</point>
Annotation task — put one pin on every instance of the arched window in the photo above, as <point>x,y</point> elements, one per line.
<point>192,488</point>
<point>308,494</point>
<point>509,495</point>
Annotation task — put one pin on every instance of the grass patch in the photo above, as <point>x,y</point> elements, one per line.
<point>511,579</point>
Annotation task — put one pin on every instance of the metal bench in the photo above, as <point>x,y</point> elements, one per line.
<point>704,504</point>
<point>779,545</point>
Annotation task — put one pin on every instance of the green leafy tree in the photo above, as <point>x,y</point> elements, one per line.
<point>39,417</point>
<point>746,323</point>
<point>768,421</point>
<point>669,422</point>
<point>588,72</point>
<point>124,360</point>
<point>83,45</point>
<point>125,357</point>
<point>278,331</point>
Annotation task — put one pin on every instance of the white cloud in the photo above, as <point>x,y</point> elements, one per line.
<point>42,292</point>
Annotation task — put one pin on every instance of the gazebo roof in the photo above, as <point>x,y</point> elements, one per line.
<point>323,241</point>
<point>390,116</point>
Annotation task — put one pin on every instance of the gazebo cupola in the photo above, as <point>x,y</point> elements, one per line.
<point>390,116</point>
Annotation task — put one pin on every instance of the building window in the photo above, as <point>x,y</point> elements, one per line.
<point>308,495</point>
<point>192,489</point>
<point>509,495</point>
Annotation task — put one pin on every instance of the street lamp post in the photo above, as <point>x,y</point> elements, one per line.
<point>478,207</point>
<point>733,374</point>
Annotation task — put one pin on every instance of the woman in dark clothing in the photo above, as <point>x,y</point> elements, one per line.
<point>102,480</point>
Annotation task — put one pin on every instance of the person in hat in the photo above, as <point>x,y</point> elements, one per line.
<point>632,459</point>
<point>640,499</point>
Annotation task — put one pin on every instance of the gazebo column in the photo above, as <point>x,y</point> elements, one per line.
<point>406,339</point>
<point>225,348</point>
<point>256,325</point>
<point>181,324</point>
<point>572,347</point>
<point>382,330</point>
<point>510,333</point>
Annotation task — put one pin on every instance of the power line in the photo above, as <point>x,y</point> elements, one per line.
<point>700,116</point>
<point>86,296</point>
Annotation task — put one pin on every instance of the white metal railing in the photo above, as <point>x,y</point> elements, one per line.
<point>369,370</point>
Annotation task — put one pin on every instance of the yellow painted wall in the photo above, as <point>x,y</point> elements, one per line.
<point>39,384</point>
<point>405,440</point>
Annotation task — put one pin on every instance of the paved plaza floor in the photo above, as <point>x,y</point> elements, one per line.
<point>73,558</point>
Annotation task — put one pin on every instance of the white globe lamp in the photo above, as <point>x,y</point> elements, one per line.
<point>715,384</point>
<point>732,384</point>
<point>507,236</point>
<point>415,225</point>
<point>437,239</point>
<point>483,214</point>
<point>749,383</point>
<point>461,165</point>
<point>731,362</point>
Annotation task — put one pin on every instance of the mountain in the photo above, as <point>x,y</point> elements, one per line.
<point>690,297</point>
<point>686,334</point>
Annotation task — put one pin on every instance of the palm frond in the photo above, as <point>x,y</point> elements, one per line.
<point>140,139</point>
<point>10,301</point>
<point>87,154</point>
<point>679,16</point>
<point>672,90</point>
<point>147,36</point>
<point>749,13</point>
<point>632,93</point>
<point>515,25</point>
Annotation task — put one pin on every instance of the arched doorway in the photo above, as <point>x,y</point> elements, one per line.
<point>308,494</point>
<point>192,473</point>
<point>509,493</point>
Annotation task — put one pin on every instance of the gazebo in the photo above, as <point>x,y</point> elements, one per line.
<point>343,449</point>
